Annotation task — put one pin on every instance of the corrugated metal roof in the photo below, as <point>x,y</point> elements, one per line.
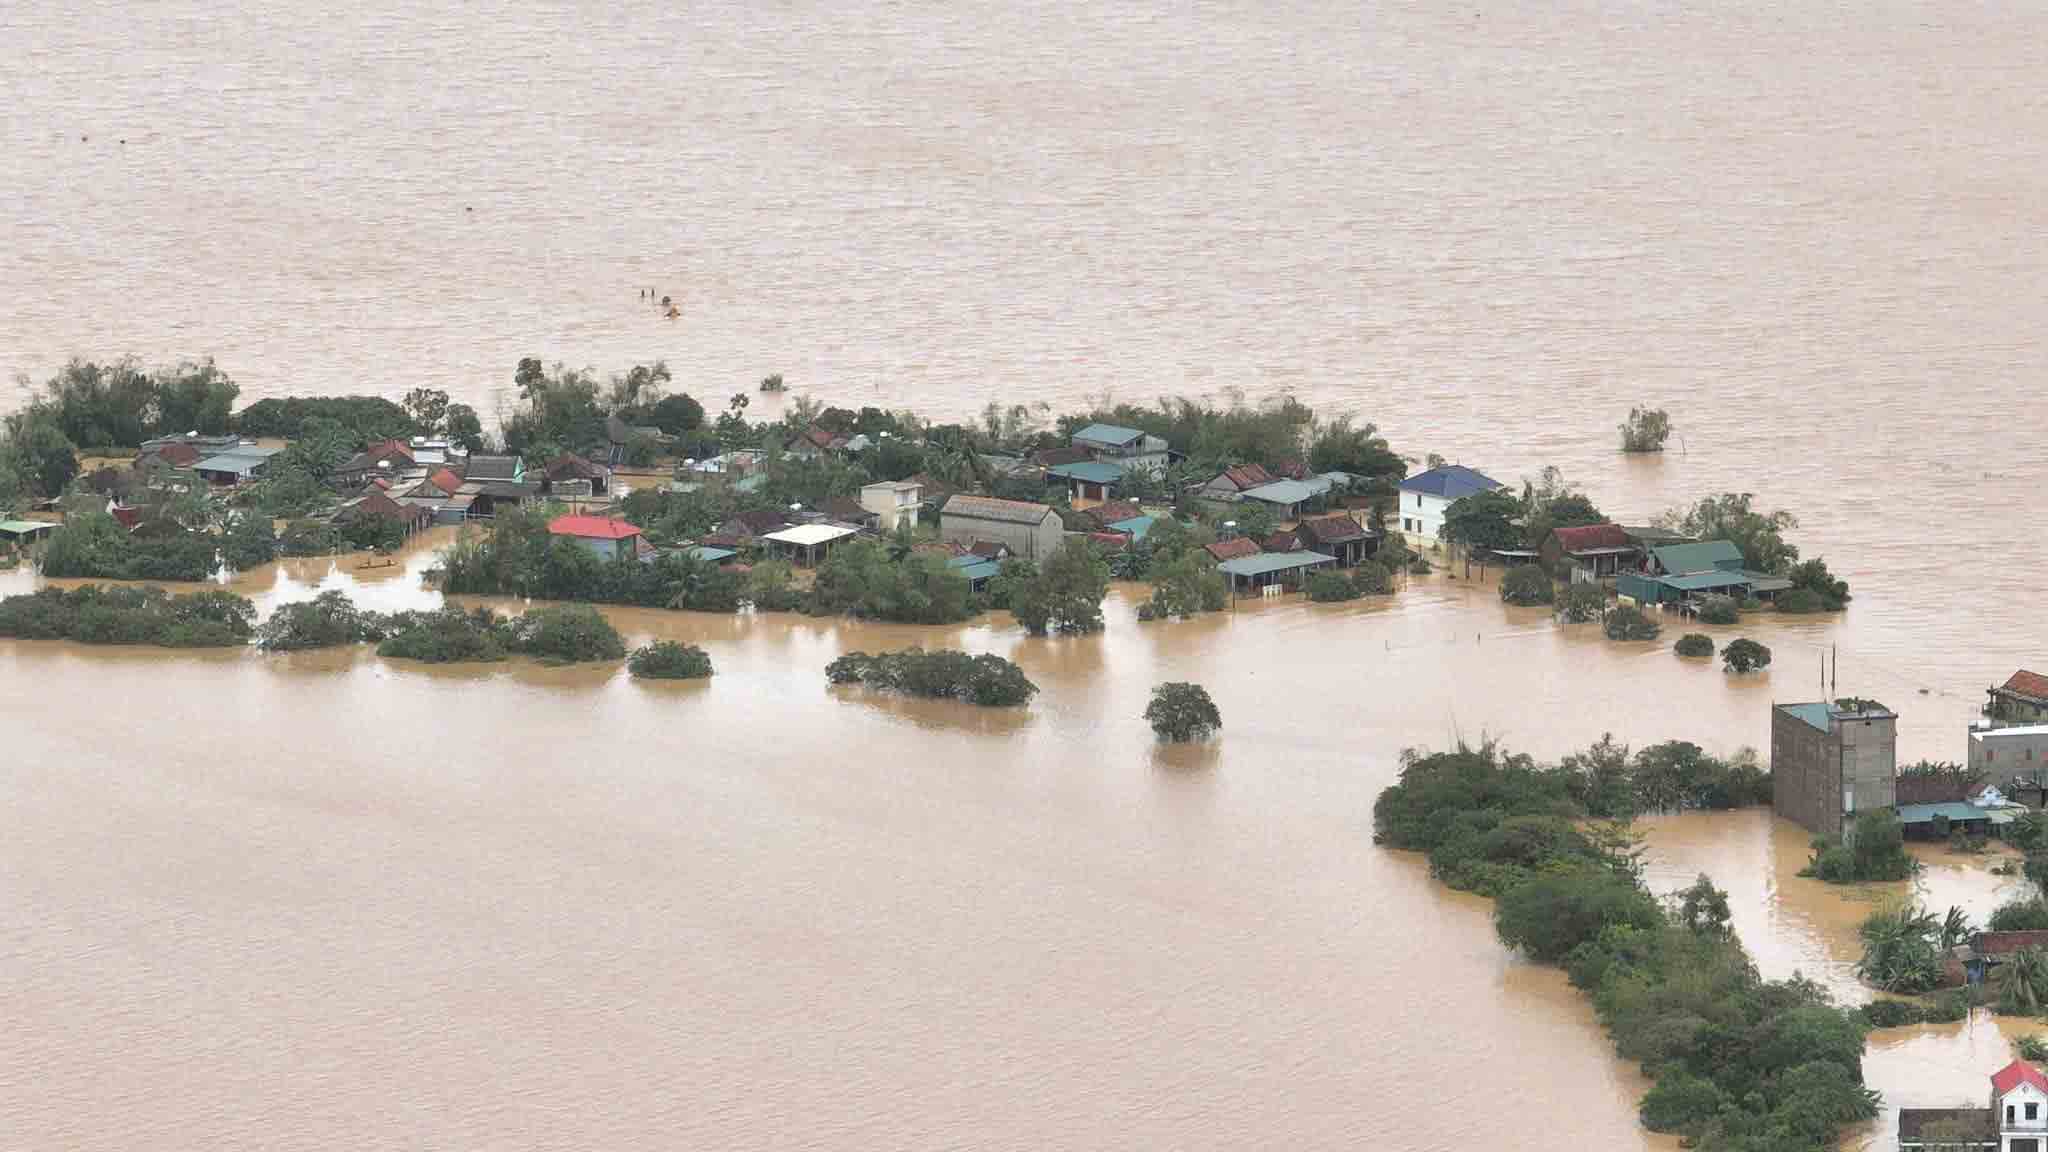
<point>1925,813</point>
<point>990,508</point>
<point>1702,581</point>
<point>1814,714</point>
<point>809,535</point>
<point>1091,472</point>
<point>1112,434</point>
<point>24,527</point>
<point>1266,562</point>
<point>1705,556</point>
<point>974,567</point>
<point>1450,481</point>
<point>1136,526</point>
<point>704,552</point>
<point>1280,492</point>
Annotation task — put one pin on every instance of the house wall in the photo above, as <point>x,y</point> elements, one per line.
<point>889,507</point>
<point>2017,711</point>
<point>2002,752</point>
<point>2019,1127</point>
<point>1033,542</point>
<point>1870,760</point>
<point>603,549</point>
<point>1421,515</point>
<point>1806,779</point>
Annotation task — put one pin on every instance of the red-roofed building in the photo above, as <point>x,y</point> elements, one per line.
<point>2022,699</point>
<point>2016,1121</point>
<point>394,450</point>
<point>444,481</point>
<point>1591,551</point>
<point>605,536</point>
<point>1232,481</point>
<point>1232,549</point>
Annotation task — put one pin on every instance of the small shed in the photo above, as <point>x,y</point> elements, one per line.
<point>24,531</point>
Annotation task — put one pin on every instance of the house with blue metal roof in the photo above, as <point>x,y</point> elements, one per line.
<point>1425,496</point>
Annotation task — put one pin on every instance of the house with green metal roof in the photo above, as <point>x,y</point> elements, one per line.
<point>1697,556</point>
<point>1129,447</point>
<point>1262,570</point>
<point>1676,573</point>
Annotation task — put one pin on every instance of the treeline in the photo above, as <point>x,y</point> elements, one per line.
<point>1740,1064</point>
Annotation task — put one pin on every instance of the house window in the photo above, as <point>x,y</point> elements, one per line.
<point>1990,754</point>
<point>2008,1113</point>
<point>2033,1111</point>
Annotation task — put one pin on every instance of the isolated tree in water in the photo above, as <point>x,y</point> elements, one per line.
<point>1181,711</point>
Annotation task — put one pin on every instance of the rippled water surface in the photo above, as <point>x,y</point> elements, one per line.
<point>327,900</point>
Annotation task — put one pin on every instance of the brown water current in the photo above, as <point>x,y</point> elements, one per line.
<point>331,901</point>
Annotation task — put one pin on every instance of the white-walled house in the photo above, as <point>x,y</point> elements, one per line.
<point>1425,495</point>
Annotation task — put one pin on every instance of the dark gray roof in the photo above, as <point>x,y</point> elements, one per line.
<point>990,508</point>
<point>492,468</point>
<point>1913,1122</point>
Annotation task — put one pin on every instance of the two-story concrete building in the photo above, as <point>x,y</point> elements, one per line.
<point>892,502</point>
<point>1425,495</point>
<point>1831,761</point>
<point>1125,447</point>
<point>2003,753</point>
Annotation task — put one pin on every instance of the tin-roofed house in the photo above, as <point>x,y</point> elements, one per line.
<point>1092,480</point>
<point>1677,573</point>
<point>1230,484</point>
<point>236,465</point>
<point>1031,531</point>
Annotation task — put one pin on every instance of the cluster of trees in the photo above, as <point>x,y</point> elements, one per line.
<point>1740,1064</point>
<point>1062,596</point>
<point>94,545</point>
<point>1180,712</point>
<point>520,557</point>
<point>1745,655</point>
<point>1211,438</point>
<point>568,410</point>
<point>328,620</point>
<point>1876,850</point>
<point>102,407</point>
<point>1527,584</point>
<point>873,581</point>
<point>95,615</point>
<point>987,680</point>
<point>1499,521</point>
<point>1627,622</point>
<point>669,660</point>
<point>555,634</point>
<point>1183,587</point>
<point>1734,517</point>
<point>1606,780</point>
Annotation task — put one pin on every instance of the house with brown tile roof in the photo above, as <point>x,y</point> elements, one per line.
<point>1339,537</point>
<point>2022,699</point>
<point>1235,548</point>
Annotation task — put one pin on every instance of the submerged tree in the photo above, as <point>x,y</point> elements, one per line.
<point>1645,430</point>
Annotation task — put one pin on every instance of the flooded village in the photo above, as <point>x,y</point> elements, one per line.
<point>1215,564</point>
<point>760,738</point>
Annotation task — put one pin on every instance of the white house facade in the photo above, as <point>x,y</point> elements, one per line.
<point>1425,496</point>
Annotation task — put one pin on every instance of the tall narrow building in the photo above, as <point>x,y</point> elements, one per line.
<point>1831,761</point>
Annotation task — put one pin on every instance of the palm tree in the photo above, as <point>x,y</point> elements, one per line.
<point>1955,928</point>
<point>2023,982</point>
<point>1899,952</point>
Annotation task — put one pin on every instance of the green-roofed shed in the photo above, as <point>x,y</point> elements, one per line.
<point>24,529</point>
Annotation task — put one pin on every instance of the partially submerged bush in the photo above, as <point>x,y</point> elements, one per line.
<point>1719,610</point>
<point>1583,602</point>
<point>986,680</point>
<point>669,660</point>
<point>445,637</point>
<point>1526,584</point>
<point>1694,644</point>
<point>1626,623</point>
<point>1745,655</point>
<point>566,634</point>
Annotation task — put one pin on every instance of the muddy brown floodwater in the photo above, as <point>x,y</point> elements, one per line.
<point>329,901</point>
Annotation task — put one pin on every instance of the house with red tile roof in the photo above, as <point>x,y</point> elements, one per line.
<point>1590,551</point>
<point>605,536</point>
<point>2022,699</point>
<point>1234,548</point>
<point>1232,482</point>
